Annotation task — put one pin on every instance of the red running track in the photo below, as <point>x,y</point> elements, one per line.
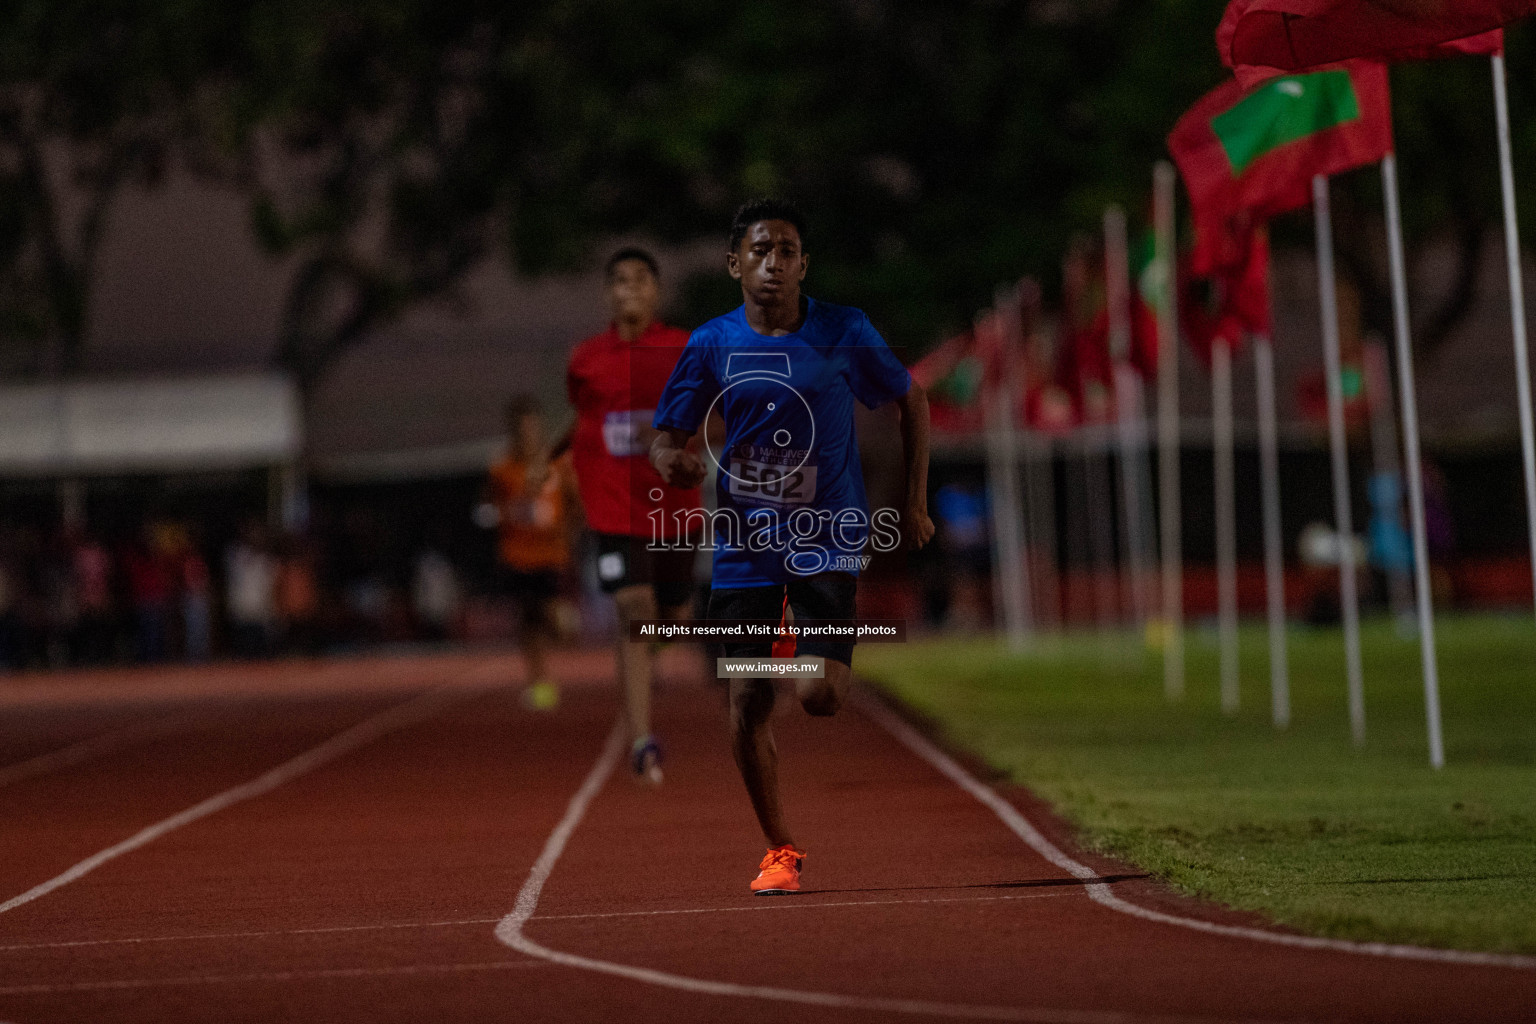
<point>399,840</point>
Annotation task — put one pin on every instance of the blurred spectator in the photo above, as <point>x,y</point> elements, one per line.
<point>1321,553</point>
<point>954,597</point>
<point>1440,533</point>
<point>196,587</point>
<point>1439,527</point>
<point>151,586</point>
<point>298,597</point>
<point>60,608</point>
<point>10,599</point>
<point>31,608</point>
<point>93,573</point>
<point>250,582</point>
<point>368,606</point>
<point>436,595</point>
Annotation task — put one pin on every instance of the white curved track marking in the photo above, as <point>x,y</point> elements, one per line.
<point>797,904</point>
<point>417,709</point>
<point>510,932</point>
<point>82,751</point>
<point>1101,893</point>
<point>759,907</point>
<point>229,979</point>
<point>139,940</point>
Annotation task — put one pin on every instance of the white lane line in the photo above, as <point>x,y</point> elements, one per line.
<point>1102,894</point>
<point>796,904</point>
<point>510,932</point>
<point>415,710</point>
<point>134,940</point>
<point>227,979</point>
<point>82,751</point>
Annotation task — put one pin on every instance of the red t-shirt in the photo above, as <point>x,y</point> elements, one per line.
<point>615,385</point>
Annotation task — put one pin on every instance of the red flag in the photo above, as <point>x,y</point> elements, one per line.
<point>1083,362</point>
<point>1149,282</point>
<point>1252,153</point>
<point>1084,369</point>
<point>954,377</point>
<point>1229,303</point>
<point>1049,408</point>
<point>1250,75</point>
<point>1291,35</point>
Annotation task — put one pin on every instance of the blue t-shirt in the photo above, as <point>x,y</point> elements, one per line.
<point>790,487</point>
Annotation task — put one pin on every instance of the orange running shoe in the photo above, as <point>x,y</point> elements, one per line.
<point>779,872</point>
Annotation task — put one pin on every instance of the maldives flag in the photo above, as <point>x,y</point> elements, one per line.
<point>1084,365</point>
<point>1291,35</point>
<point>1149,293</point>
<point>953,375</point>
<point>1250,75</point>
<point>1087,356</point>
<point>1229,303</point>
<point>1246,155</point>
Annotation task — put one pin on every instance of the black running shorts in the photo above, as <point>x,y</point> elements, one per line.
<point>624,561</point>
<point>825,595</point>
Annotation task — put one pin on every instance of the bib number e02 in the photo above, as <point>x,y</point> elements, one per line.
<point>766,482</point>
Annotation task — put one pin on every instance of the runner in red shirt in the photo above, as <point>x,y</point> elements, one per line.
<point>614,380</point>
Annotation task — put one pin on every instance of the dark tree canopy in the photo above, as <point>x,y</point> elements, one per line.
<point>389,146</point>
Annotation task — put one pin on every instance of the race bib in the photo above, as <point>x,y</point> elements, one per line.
<point>621,431</point>
<point>765,481</point>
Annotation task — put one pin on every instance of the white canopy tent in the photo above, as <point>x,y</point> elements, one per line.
<point>87,428</point>
<point>72,431</point>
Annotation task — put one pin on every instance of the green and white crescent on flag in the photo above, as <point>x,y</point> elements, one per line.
<point>1284,110</point>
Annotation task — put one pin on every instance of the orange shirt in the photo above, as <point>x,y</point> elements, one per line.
<point>534,535</point>
<point>297,592</point>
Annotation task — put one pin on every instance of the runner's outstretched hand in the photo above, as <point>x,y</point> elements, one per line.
<point>919,527</point>
<point>679,467</point>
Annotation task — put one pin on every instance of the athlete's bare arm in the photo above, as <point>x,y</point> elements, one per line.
<point>914,440</point>
<point>678,466</point>
<point>563,442</point>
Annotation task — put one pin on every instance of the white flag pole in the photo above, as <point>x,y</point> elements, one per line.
<point>1126,390</point>
<point>1226,520</point>
<point>1003,481</point>
<point>1040,508</point>
<point>1130,393</point>
<point>1039,480</point>
<point>1274,552</point>
<point>1008,316</point>
<point>1516,301</point>
<point>1168,442</point>
<point>1349,602</point>
<point>1411,456</point>
<point>1098,488</point>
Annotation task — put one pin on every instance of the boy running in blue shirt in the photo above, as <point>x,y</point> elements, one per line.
<point>792,519</point>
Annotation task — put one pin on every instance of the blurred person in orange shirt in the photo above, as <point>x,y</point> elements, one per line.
<point>532,501</point>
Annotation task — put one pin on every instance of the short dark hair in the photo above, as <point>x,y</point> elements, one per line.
<point>519,406</point>
<point>765,208</point>
<point>632,252</point>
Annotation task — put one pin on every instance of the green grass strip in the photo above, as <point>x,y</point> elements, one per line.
<point>1299,825</point>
